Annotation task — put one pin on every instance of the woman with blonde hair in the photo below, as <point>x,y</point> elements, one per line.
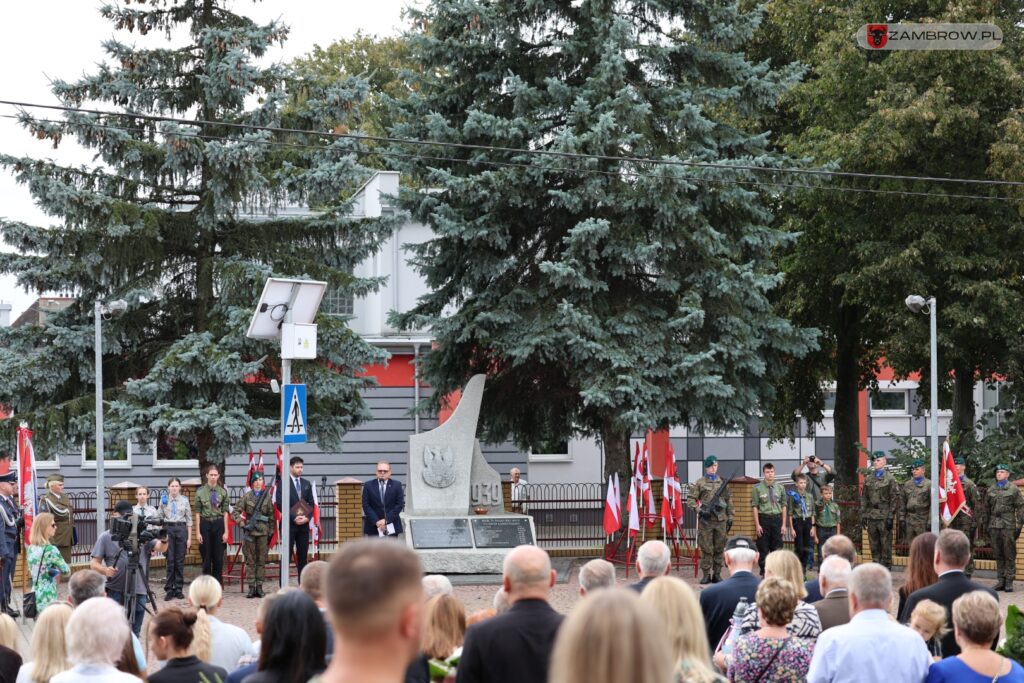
<point>45,563</point>
<point>48,647</point>
<point>214,641</point>
<point>806,623</point>
<point>10,660</point>
<point>590,647</point>
<point>444,627</point>
<point>683,622</point>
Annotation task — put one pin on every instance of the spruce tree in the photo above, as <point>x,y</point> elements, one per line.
<point>601,296</point>
<point>179,220</point>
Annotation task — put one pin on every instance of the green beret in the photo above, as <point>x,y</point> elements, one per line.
<point>916,463</point>
<point>959,461</point>
<point>256,474</point>
<point>55,477</point>
<point>710,460</point>
<point>878,454</point>
<point>1004,467</point>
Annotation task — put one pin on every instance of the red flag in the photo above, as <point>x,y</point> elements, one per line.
<point>314,524</point>
<point>27,478</point>
<point>273,497</point>
<point>618,500</point>
<point>672,495</point>
<point>647,488</point>
<point>634,517</point>
<point>611,513</point>
<point>248,472</point>
<point>952,499</point>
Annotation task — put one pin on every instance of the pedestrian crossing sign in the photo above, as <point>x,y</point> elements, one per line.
<point>293,428</point>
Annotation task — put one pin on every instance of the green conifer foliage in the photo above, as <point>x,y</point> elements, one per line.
<point>600,296</point>
<point>180,221</point>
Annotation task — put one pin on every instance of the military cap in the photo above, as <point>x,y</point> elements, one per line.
<point>710,460</point>
<point>9,477</point>
<point>1001,466</point>
<point>254,475</point>
<point>56,476</point>
<point>915,463</point>
<point>740,542</point>
<point>878,454</point>
<point>959,460</point>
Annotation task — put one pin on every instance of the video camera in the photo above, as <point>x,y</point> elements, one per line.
<point>126,532</point>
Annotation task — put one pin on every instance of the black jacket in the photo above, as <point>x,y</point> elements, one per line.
<point>306,495</point>
<point>187,670</point>
<point>948,588</point>
<point>390,508</point>
<point>514,647</point>
<point>719,601</point>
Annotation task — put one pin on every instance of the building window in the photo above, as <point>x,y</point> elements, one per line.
<point>337,302</point>
<point>889,401</point>
<point>116,454</point>
<point>549,449</point>
<point>830,402</point>
<point>170,451</point>
<point>995,403</point>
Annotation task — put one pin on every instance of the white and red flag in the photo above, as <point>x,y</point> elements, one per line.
<point>672,495</point>
<point>314,524</point>
<point>634,517</point>
<point>611,512</point>
<point>27,478</point>
<point>952,499</point>
<point>273,496</point>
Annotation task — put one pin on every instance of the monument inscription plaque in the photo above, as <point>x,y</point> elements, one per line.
<point>441,532</point>
<point>502,532</point>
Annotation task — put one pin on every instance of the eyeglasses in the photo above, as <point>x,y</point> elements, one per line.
<point>383,471</point>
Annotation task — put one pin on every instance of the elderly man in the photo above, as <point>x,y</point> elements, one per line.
<point>515,646</point>
<point>872,647</point>
<point>596,574</point>
<point>837,545</point>
<point>834,577</point>
<point>719,600</point>
<point>652,560</point>
<point>436,584</point>
<point>56,502</point>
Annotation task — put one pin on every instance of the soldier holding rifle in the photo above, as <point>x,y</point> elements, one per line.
<point>255,514</point>
<point>710,496</point>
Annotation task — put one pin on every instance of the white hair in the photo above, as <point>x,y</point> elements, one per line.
<point>835,571</point>
<point>653,558</point>
<point>96,632</point>
<point>741,556</point>
<point>597,574</point>
<point>436,584</point>
<point>871,584</point>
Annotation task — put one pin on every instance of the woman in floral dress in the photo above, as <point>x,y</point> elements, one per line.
<point>45,563</point>
<point>772,653</point>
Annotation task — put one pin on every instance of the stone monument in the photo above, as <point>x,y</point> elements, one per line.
<point>454,515</point>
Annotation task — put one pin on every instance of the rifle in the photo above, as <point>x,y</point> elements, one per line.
<point>251,521</point>
<point>715,504</point>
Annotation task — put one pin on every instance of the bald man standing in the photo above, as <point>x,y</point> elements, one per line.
<point>515,646</point>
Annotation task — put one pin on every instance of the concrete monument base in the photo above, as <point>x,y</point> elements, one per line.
<point>466,544</point>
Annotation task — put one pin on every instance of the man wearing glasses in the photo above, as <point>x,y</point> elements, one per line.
<point>383,502</point>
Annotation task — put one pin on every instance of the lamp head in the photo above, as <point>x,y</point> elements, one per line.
<point>915,303</point>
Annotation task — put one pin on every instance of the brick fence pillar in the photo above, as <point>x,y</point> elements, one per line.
<point>349,522</point>
<point>741,489</point>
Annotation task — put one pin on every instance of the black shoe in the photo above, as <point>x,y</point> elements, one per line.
<point>999,584</point>
<point>705,579</point>
<point>716,579</point>
<point>259,591</point>
<point>252,592</point>
<point>168,596</point>
<point>1008,586</point>
<point>11,612</point>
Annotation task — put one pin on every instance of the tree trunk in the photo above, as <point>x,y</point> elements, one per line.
<point>616,456</point>
<point>846,416</point>
<point>961,427</point>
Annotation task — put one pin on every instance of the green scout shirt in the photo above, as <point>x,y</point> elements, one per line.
<point>793,505</point>
<point>205,509</point>
<point>1004,507</point>
<point>916,498</point>
<point>703,490</point>
<point>828,514</point>
<point>815,482</point>
<point>879,497</point>
<point>768,499</point>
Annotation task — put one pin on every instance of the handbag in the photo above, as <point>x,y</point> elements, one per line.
<point>28,600</point>
<point>767,667</point>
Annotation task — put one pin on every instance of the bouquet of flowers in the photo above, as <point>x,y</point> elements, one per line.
<point>442,670</point>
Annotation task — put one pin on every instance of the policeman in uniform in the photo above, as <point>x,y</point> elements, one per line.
<point>212,523</point>
<point>768,500</point>
<point>1003,517</point>
<point>877,505</point>
<point>916,501</point>
<point>965,519</point>
<point>254,513</point>
<point>10,516</point>
<point>714,524</point>
<point>56,502</point>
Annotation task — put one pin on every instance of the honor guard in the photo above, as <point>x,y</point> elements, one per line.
<point>965,519</point>
<point>877,506</point>
<point>916,501</point>
<point>711,497</point>
<point>1003,517</point>
<point>56,502</point>
<point>10,516</point>
<point>254,514</point>
<point>768,500</point>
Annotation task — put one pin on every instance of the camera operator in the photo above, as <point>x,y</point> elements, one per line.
<point>816,478</point>
<point>113,554</point>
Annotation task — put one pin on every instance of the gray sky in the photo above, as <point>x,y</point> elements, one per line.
<point>61,39</point>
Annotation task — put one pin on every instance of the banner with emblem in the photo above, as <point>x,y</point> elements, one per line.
<point>952,499</point>
<point>27,495</point>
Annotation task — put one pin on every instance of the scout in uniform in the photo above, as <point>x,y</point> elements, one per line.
<point>715,519</point>
<point>56,502</point>
<point>768,499</point>
<point>177,515</point>
<point>211,520</point>
<point>800,505</point>
<point>254,513</point>
<point>1003,517</point>
<point>10,516</point>
<point>827,519</point>
<point>877,505</point>
<point>916,501</point>
<point>965,519</point>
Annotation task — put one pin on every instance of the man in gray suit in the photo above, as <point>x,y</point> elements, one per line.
<point>834,608</point>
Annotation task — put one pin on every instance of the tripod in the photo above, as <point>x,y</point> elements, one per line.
<point>129,598</point>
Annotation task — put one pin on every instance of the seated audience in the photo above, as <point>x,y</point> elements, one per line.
<point>654,559</point>
<point>929,619</point>
<point>872,648</point>
<point>976,622</point>
<point>95,636</point>
<point>590,647</point>
<point>436,584</point>
<point>170,637</point>
<point>10,639</point>
<point>718,601</point>
<point>48,648</point>
<point>836,545</point>
<point>681,619</point>
<point>834,578</point>
<point>294,644</point>
<point>596,574</point>
<point>215,642</point>
<point>920,571</point>
<point>784,564</point>
<point>772,652</point>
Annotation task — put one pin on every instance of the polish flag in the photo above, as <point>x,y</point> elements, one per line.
<point>314,524</point>
<point>611,513</point>
<point>672,496</point>
<point>27,478</point>
<point>952,499</point>
<point>634,517</point>
<point>273,497</point>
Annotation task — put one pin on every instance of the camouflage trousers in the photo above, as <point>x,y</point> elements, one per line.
<point>880,539</point>
<point>1004,547</point>
<point>916,525</point>
<point>255,553</point>
<point>965,523</point>
<point>711,543</point>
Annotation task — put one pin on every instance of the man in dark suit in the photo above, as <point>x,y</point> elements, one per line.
<point>654,559</point>
<point>383,502</point>
<point>718,601</point>
<point>301,502</point>
<point>834,608</point>
<point>952,552</point>
<point>515,646</point>
<point>836,545</point>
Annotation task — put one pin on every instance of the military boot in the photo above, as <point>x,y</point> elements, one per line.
<point>259,590</point>
<point>1007,585</point>
<point>705,578</point>
<point>716,578</point>
<point>252,592</point>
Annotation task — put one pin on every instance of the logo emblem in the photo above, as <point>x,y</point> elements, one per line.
<point>878,35</point>
<point>438,466</point>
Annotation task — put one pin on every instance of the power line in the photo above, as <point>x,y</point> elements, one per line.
<point>515,150</point>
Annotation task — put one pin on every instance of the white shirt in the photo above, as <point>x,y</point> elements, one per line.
<point>94,673</point>
<point>872,648</point>
<point>228,643</point>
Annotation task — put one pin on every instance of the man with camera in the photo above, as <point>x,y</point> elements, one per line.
<point>125,549</point>
<point>818,474</point>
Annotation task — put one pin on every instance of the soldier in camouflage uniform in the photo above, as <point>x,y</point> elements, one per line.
<point>965,519</point>
<point>877,505</point>
<point>1003,517</point>
<point>254,513</point>
<point>916,501</point>
<point>714,523</point>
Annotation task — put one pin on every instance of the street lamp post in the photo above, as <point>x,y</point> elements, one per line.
<point>917,304</point>
<point>115,308</point>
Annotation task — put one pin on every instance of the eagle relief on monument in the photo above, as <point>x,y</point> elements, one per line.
<point>439,466</point>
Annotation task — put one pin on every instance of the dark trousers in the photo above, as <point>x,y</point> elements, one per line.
<point>140,608</point>
<point>770,539</point>
<point>7,577</point>
<point>824,533</point>
<point>298,541</point>
<point>176,538</point>
<point>212,547</point>
<point>802,541</point>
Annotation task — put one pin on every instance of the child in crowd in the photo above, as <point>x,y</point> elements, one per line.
<point>929,619</point>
